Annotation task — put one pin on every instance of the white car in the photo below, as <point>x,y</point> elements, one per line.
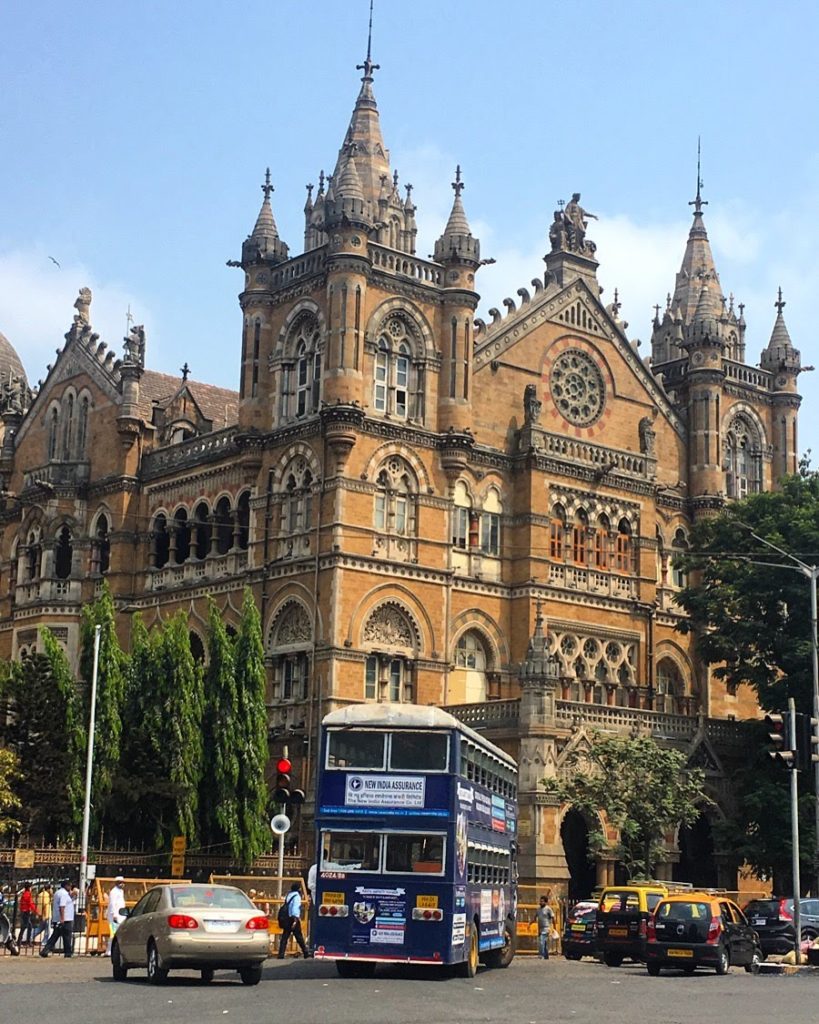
<point>192,926</point>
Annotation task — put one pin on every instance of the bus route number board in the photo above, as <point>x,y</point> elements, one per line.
<point>333,897</point>
<point>427,902</point>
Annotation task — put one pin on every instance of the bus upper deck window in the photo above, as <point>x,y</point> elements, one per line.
<point>419,751</point>
<point>355,748</point>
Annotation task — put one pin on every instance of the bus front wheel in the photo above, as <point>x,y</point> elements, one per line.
<point>469,967</point>
<point>502,957</point>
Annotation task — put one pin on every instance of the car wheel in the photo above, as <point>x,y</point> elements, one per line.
<point>251,975</point>
<point>653,969</point>
<point>723,962</point>
<point>572,956</point>
<point>612,959</point>
<point>469,967</point>
<point>756,960</point>
<point>118,969</point>
<point>808,934</point>
<point>206,974</point>
<point>157,974</point>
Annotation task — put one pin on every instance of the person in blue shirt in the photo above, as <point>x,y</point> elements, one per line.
<point>292,926</point>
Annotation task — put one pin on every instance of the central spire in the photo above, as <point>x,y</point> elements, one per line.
<point>698,271</point>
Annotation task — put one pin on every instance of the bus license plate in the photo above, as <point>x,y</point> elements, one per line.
<point>681,952</point>
<point>427,902</point>
<point>332,897</point>
<point>578,927</point>
<point>618,933</point>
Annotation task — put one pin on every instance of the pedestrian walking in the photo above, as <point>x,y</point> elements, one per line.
<point>63,909</point>
<point>545,923</point>
<point>290,920</point>
<point>43,913</point>
<point>116,905</point>
<point>27,908</point>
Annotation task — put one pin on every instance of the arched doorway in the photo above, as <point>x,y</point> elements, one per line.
<point>697,863</point>
<point>574,833</point>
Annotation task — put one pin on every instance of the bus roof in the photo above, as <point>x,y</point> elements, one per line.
<point>409,716</point>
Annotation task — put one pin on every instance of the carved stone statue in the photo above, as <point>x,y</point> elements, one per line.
<point>15,396</point>
<point>531,405</point>
<point>135,346</point>
<point>557,232</point>
<point>83,306</point>
<point>568,230</point>
<point>648,435</point>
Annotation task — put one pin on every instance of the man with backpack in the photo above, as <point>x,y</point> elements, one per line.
<point>289,919</point>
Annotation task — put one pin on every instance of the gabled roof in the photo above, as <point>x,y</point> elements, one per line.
<point>158,390</point>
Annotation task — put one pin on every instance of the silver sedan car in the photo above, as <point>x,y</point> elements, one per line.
<point>192,926</point>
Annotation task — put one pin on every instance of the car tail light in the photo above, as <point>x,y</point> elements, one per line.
<point>257,924</point>
<point>784,913</point>
<point>714,929</point>
<point>182,921</point>
<point>642,929</point>
<point>651,930</point>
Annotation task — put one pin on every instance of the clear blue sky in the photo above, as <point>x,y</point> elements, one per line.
<point>135,137</point>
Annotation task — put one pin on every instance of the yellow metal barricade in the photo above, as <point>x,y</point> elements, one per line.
<point>96,919</point>
<point>528,905</point>
<point>262,890</point>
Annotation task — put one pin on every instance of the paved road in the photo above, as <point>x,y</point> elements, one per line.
<point>306,992</point>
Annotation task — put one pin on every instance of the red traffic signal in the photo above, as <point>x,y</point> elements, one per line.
<point>778,727</point>
<point>283,766</point>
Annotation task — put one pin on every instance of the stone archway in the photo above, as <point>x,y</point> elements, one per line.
<point>574,834</point>
<point>697,863</point>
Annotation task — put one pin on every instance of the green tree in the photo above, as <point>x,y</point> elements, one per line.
<point>251,686</point>
<point>644,789</point>
<point>752,621</point>
<point>9,801</point>
<point>221,735</point>
<point>110,693</point>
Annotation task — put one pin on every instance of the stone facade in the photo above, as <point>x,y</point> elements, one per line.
<point>401,483</point>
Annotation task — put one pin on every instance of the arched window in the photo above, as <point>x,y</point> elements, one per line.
<point>670,688</point>
<point>297,508</point>
<point>580,531</point>
<point>601,543</point>
<point>394,373</point>
<point>101,547</point>
<point>63,554</point>
<point>53,434</point>
<point>624,560</point>
<point>308,380</point>
<point>224,526</point>
<point>82,427</point>
<point>491,524</point>
<point>160,541</point>
<point>557,534</point>
<point>243,520</point>
<point>291,645</point>
<point>301,374</point>
<point>461,515</point>
<point>388,674</point>
<point>679,546</point>
<point>68,425</point>
<point>395,500</point>
<point>743,458</point>
<point>182,536</point>
<point>202,531</point>
<point>34,556</point>
<point>468,682</point>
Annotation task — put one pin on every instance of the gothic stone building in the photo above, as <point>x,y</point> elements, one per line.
<point>402,485</point>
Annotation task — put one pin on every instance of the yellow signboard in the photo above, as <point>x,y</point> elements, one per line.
<point>427,902</point>
<point>24,859</point>
<point>177,867</point>
<point>332,897</point>
<point>179,845</point>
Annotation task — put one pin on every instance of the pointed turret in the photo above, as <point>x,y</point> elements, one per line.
<point>372,158</point>
<point>457,244</point>
<point>263,243</point>
<point>780,353</point>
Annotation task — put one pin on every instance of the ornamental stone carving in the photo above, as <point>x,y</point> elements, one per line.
<point>577,387</point>
<point>388,626</point>
<point>294,626</point>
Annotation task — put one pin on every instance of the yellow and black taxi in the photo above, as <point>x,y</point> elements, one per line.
<point>580,931</point>
<point>622,920</point>
<point>700,929</point>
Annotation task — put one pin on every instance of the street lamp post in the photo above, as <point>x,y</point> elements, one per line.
<point>811,572</point>
<point>89,767</point>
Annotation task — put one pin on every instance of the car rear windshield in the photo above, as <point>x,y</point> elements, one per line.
<point>683,921</point>
<point>619,902</point>
<point>585,916</point>
<point>209,896</point>
<point>762,908</point>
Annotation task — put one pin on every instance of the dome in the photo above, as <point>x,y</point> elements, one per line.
<point>10,364</point>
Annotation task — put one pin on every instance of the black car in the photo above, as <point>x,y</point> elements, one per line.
<point>579,932</point>
<point>700,930</point>
<point>772,919</point>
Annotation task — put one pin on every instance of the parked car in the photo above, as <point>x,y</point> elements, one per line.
<point>700,929</point>
<point>773,921</point>
<point>580,931</point>
<point>622,920</point>
<point>199,927</point>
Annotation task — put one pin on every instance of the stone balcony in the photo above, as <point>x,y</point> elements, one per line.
<point>44,591</point>
<point>58,474</point>
<point>196,571</point>
<point>590,581</point>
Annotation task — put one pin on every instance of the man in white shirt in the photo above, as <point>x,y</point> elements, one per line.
<point>116,905</point>
<point>63,913</point>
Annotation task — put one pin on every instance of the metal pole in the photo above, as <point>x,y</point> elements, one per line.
<point>281,848</point>
<point>814,651</point>
<point>797,888</point>
<point>89,766</point>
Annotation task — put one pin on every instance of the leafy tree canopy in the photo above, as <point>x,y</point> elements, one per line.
<point>644,789</point>
<point>9,801</point>
<point>753,620</point>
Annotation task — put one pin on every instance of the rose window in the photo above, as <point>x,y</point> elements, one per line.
<point>577,387</point>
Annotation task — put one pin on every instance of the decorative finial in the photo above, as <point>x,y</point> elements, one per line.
<point>321,183</point>
<point>741,308</point>
<point>539,616</point>
<point>409,189</point>
<point>698,202</point>
<point>267,188</point>
<point>617,303</point>
<point>730,302</point>
<point>395,180</point>
<point>780,302</point>
<point>668,300</point>
<point>368,67</point>
<point>561,203</point>
<point>657,311</point>
<point>185,371</point>
<point>309,193</point>
<point>457,184</point>
<point>129,319</point>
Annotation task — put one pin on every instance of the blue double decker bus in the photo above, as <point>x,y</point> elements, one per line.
<point>416,816</point>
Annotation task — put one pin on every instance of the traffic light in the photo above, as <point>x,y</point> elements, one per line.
<point>807,742</point>
<point>282,793</point>
<point>296,796</point>
<point>779,730</point>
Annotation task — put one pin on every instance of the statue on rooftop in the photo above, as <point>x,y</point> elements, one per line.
<point>83,307</point>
